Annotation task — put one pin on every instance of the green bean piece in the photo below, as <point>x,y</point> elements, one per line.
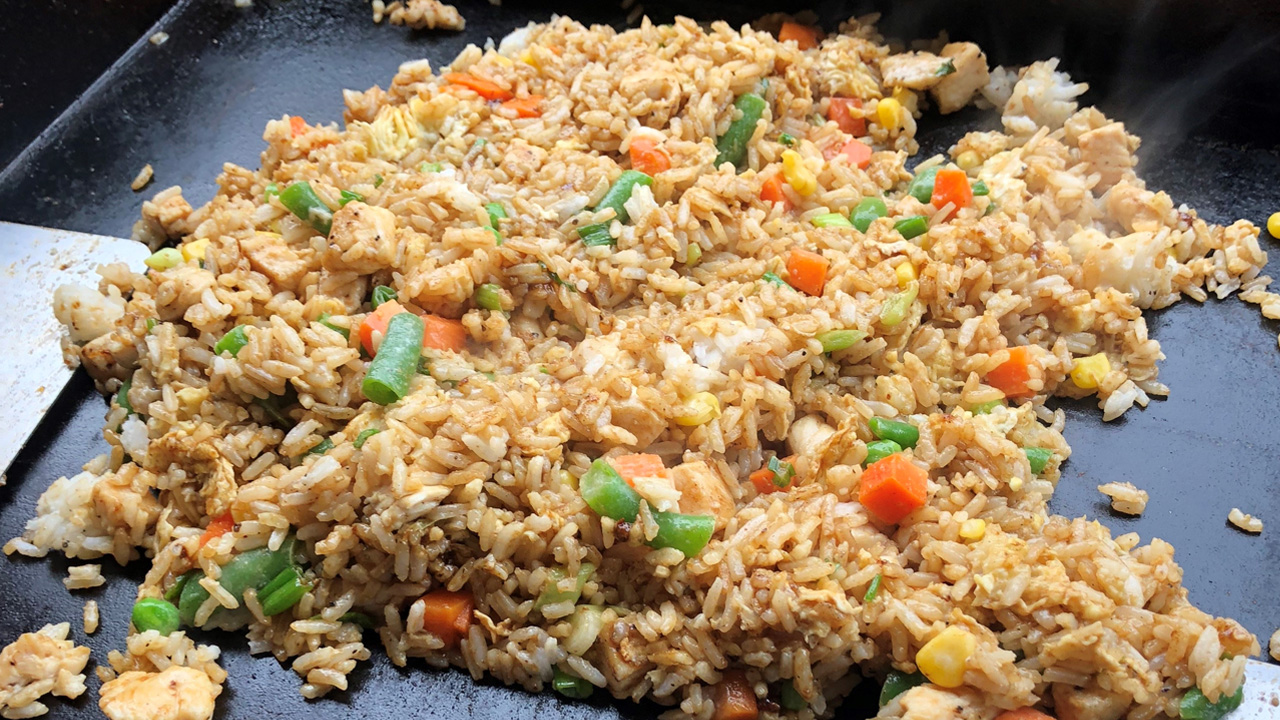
<point>122,395</point>
<point>321,447</point>
<point>873,589</point>
<point>986,407</point>
<point>831,220</point>
<point>382,294</point>
<point>912,227</point>
<point>1038,458</point>
<point>895,308</point>
<point>233,342</point>
<point>489,296</point>
<point>607,493</point>
<point>391,370</point>
<point>1195,706</point>
<point>155,614</point>
<point>571,686</point>
<point>175,590</point>
<point>905,434</point>
<point>324,320</point>
<point>284,592</point>
<point>783,471</point>
<point>364,435</point>
<point>787,139</point>
<point>620,192</point>
<point>302,201</point>
<point>349,196</point>
<point>790,699</point>
<point>774,278</point>
<point>980,188</point>
<point>359,618</point>
<point>732,146</point>
<point>837,340</point>
<point>250,569</point>
<point>921,187</point>
<point>270,191</point>
<point>686,533</point>
<point>897,683</point>
<point>867,211</point>
<point>879,450</point>
<point>596,234</point>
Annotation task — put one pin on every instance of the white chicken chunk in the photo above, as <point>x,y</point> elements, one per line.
<point>175,693</point>
<point>1137,264</point>
<point>914,70</point>
<point>1108,151</point>
<point>929,702</point>
<point>363,239</point>
<point>703,491</point>
<point>809,435</point>
<point>271,256</point>
<point>87,313</point>
<point>1042,97</point>
<point>1073,703</point>
<point>956,89</point>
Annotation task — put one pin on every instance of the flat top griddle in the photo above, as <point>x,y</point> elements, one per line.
<point>202,99</point>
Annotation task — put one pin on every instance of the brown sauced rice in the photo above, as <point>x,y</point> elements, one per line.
<point>471,483</point>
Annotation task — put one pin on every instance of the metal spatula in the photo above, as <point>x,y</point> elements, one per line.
<point>34,261</point>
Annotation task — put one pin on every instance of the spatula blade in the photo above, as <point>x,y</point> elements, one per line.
<point>1261,693</point>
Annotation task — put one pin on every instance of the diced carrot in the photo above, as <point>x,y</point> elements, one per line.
<point>377,321</point>
<point>486,89</point>
<point>648,157</point>
<point>297,126</point>
<point>217,527</point>
<point>734,698</point>
<point>447,615</point>
<point>529,106</point>
<point>637,465</point>
<point>1025,713</point>
<point>858,152</point>
<point>762,479</point>
<point>1010,377</point>
<point>443,333</point>
<point>807,271</point>
<point>806,37</point>
<point>772,191</point>
<point>951,186</point>
<point>893,487</point>
<point>840,111</point>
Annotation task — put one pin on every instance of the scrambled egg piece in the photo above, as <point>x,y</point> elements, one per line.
<point>175,693</point>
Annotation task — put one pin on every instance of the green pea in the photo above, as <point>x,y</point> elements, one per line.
<point>921,187</point>
<point>867,211</point>
<point>790,699</point>
<point>1038,458</point>
<point>155,614</point>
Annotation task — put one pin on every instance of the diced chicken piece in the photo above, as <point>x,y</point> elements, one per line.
<point>809,436</point>
<point>125,504</point>
<point>703,491</point>
<point>1108,151</point>
<point>113,355</point>
<point>164,217</point>
<point>363,239</point>
<point>1137,209</point>
<point>914,70</point>
<point>955,89</point>
<point>87,313</point>
<point>191,282</point>
<point>189,450</point>
<point>929,702</point>
<point>175,693</point>
<point>39,663</point>
<point>1073,703</point>
<point>1137,264</point>
<point>638,417</point>
<point>1042,97</point>
<point>273,257</point>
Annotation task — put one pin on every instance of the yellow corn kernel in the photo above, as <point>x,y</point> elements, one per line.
<point>502,60</point>
<point>527,58</point>
<point>195,250</point>
<point>943,658</point>
<point>568,478</point>
<point>702,408</point>
<point>1015,483</point>
<point>973,529</point>
<point>906,273</point>
<point>1087,372</point>
<point>1273,225</point>
<point>968,160</point>
<point>799,177</point>
<point>889,112</point>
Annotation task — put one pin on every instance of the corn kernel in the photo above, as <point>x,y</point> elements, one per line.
<point>1015,483</point>
<point>702,408</point>
<point>1087,372</point>
<point>798,176</point>
<point>968,160</point>
<point>973,529</point>
<point>943,658</point>
<point>195,250</point>
<point>889,112</point>
<point>503,60</point>
<point>1273,225</point>
<point>906,273</point>
<point>527,58</point>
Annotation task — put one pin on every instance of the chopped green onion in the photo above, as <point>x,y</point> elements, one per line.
<point>378,180</point>
<point>479,143</point>
<point>1195,706</point>
<point>434,167</point>
<point>552,593</point>
<point>272,190</point>
<point>782,470</point>
<point>790,699</point>
<point>321,447</point>
<point>787,139</point>
<point>986,407</point>
<point>905,434</point>
<point>693,254</point>
<point>122,395</point>
<point>773,277</point>
<point>895,308</point>
<point>151,324</point>
<point>837,340</point>
<point>358,618</point>
<point>596,234</point>
<point>686,533</point>
<point>1038,458</point>
<point>879,450</point>
<point>273,409</point>
<point>980,188</point>
<point>302,201</point>
<point>867,211</point>
<point>349,196</point>
<point>732,146</point>
<point>382,294</point>
<point>945,69</point>
<point>324,320</point>
<point>571,686</point>
<point>155,614</point>
<point>912,227</point>
<point>921,187</point>
<point>164,259</point>
<point>364,435</point>
<point>280,596</point>
<point>617,196</point>
<point>897,683</point>
<point>392,369</point>
<point>496,213</point>
<point>233,342</point>
<point>489,296</point>
<point>873,589</point>
<point>831,220</point>
<point>607,493</point>
<point>556,278</point>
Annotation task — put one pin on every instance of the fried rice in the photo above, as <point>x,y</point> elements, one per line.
<point>687,336</point>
